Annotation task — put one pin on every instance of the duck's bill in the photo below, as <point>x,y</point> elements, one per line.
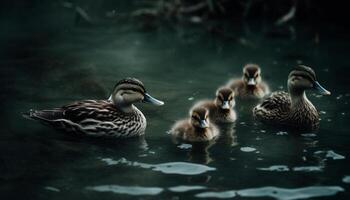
<point>251,81</point>
<point>320,89</point>
<point>204,124</point>
<point>225,105</point>
<point>149,99</point>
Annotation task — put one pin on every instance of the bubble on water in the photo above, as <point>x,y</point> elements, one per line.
<point>53,189</point>
<point>185,146</point>
<point>346,179</point>
<point>130,190</point>
<point>182,168</point>
<point>330,154</point>
<point>247,149</point>
<point>291,194</point>
<point>308,169</point>
<point>186,188</point>
<point>278,168</point>
<point>221,195</point>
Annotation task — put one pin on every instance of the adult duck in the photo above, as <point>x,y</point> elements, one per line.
<point>292,109</point>
<point>116,117</point>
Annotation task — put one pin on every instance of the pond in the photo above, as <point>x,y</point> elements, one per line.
<point>179,67</point>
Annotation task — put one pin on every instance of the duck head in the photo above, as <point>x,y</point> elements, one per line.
<point>131,90</point>
<point>251,75</point>
<point>303,78</point>
<point>225,98</point>
<point>200,117</point>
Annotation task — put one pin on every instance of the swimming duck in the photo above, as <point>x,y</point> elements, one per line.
<point>250,85</point>
<point>116,117</point>
<point>292,109</point>
<point>196,129</point>
<point>221,109</point>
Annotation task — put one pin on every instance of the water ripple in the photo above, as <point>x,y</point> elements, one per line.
<point>330,154</point>
<point>130,190</point>
<point>290,194</point>
<point>186,188</point>
<point>248,149</point>
<point>220,195</point>
<point>182,168</point>
<point>284,168</point>
<point>346,179</point>
<point>277,193</point>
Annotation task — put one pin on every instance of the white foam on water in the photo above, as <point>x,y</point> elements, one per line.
<point>130,190</point>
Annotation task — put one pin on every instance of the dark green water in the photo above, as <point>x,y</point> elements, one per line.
<point>179,67</point>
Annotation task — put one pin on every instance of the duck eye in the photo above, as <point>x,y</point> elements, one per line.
<point>195,117</point>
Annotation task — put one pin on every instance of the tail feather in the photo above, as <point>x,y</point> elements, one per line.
<point>45,115</point>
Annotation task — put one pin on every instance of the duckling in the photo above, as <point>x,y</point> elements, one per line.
<point>196,129</point>
<point>221,109</point>
<point>250,86</point>
<point>116,117</point>
<point>292,109</point>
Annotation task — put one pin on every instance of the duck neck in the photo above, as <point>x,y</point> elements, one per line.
<point>299,99</point>
<point>200,130</point>
<point>126,108</point>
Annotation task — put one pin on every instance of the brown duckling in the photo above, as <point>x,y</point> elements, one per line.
<point>221,109</point>
<point>196,129</point>
<point>251,85</point>
<point>292,109</point>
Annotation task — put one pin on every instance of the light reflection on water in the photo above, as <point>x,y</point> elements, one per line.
<point>277,193</point>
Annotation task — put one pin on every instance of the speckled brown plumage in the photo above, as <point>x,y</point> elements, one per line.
<point>292,109</point>
<point>95,118</point>
<point>116,117</point>
<point>277,109</point>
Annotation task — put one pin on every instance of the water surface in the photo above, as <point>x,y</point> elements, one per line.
<point>180,67</point>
